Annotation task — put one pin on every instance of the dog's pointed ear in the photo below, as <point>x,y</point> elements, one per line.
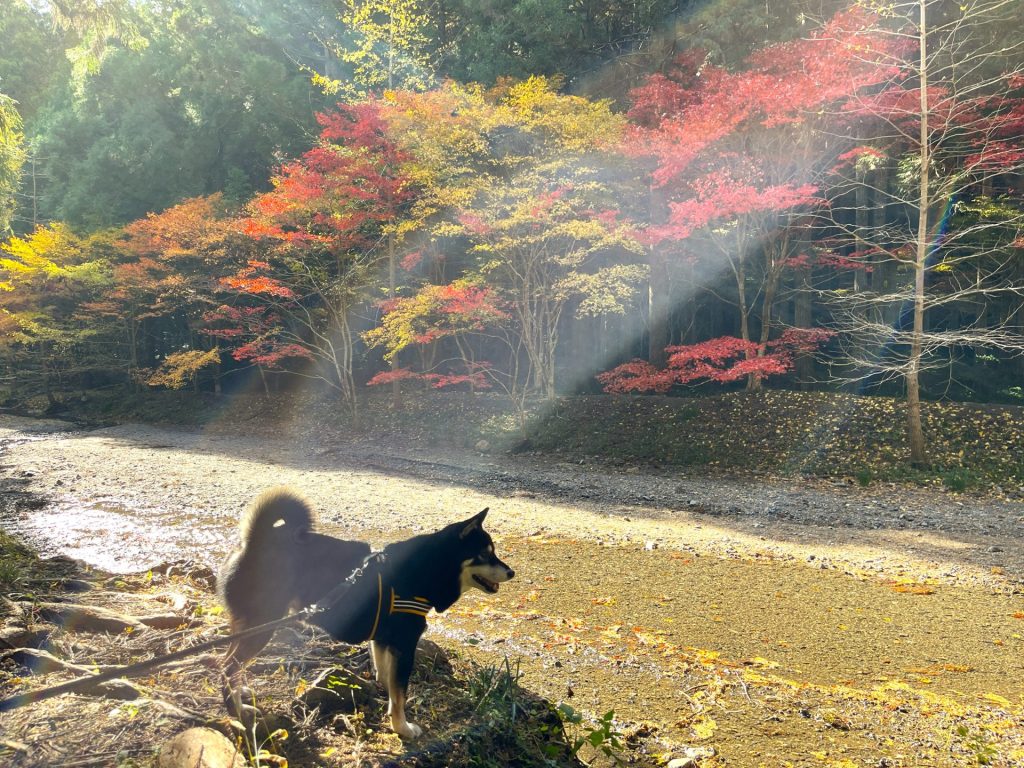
<point>476,522</point>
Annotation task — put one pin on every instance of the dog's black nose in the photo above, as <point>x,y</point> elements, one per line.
<point>511,573</point>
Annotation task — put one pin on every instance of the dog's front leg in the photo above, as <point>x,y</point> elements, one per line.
<point>379,663</point>
<point>395,665</point>
<point>396,709</point>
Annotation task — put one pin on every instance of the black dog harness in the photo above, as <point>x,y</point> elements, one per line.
<point>417,606</point>
<point>349,620</point>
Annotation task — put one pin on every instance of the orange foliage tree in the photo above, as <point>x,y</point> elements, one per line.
<point>167,281</point>
<point>322,233</point>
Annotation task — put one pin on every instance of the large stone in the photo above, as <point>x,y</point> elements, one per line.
<point>86,618</point>
<point>16,635</point>
<point>200,748</point>
<point>431,657</point>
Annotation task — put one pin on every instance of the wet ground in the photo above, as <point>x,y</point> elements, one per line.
<point>880,628</point>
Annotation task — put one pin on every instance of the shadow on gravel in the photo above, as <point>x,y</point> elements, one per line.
<point>755,510</point>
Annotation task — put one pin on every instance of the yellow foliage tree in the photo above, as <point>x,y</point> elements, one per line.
<point>514,171</point>
<point>181,368</point>
<point>45,280</point>
<point>387,47</point>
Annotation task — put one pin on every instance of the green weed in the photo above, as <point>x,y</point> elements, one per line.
<point>957,480</point>
<point>978,745</point>
<point>494,687</point>
<point>15,562</point>
<point>603,737</point>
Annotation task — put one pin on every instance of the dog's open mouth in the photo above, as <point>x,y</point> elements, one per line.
<point>487,584</point>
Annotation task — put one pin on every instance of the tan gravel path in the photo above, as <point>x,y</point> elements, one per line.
<point>632,605</point>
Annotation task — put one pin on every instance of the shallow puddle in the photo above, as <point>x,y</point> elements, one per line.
<point>118,538</point>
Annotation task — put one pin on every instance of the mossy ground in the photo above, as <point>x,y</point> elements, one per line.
<point>811,433</point>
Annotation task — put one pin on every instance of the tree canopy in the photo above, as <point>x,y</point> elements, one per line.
<point>526,197</point>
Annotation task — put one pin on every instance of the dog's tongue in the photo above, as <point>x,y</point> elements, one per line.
<point>490,586</point>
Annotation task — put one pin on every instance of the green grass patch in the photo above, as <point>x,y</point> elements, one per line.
<point>17,563</point>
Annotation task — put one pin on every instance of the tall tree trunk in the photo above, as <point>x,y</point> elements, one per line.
<point>803,315</point>
<point>658,294</point>
<point>915,433</point>
<point>391,297</point>
<point>549,345</point>
<point>886,270</point>
<point>771,288</point>
<point>863,350</point>
<point>133,352</point>
<point>659,309</point>
<point>861,223</point>
<point>753,382</point>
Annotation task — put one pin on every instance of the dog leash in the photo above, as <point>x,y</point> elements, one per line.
<point>74,686</point>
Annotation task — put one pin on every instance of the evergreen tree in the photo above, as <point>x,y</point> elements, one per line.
<point>11,158</point>
<point>208,104</point>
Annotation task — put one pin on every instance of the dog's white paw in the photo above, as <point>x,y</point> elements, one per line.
<point>408,730</point>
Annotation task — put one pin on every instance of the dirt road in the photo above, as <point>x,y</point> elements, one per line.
<point>773,621</point>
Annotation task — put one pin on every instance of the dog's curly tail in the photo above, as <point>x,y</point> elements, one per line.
<point>276,509</point>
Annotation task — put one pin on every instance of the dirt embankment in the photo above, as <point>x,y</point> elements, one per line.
<point>764,620</point>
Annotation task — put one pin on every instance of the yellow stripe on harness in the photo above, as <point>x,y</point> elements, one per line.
<point>417,606</point>
<point>380,599</point>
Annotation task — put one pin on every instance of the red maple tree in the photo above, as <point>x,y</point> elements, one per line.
<point>723,360</point>
<point>320,233</point>
<point>338,194</point>
<point>737,165</point>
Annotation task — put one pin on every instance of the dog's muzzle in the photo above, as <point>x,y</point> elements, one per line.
<point>492,586</point>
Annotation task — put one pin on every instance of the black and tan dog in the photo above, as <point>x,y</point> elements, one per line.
<point>284,563</point>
